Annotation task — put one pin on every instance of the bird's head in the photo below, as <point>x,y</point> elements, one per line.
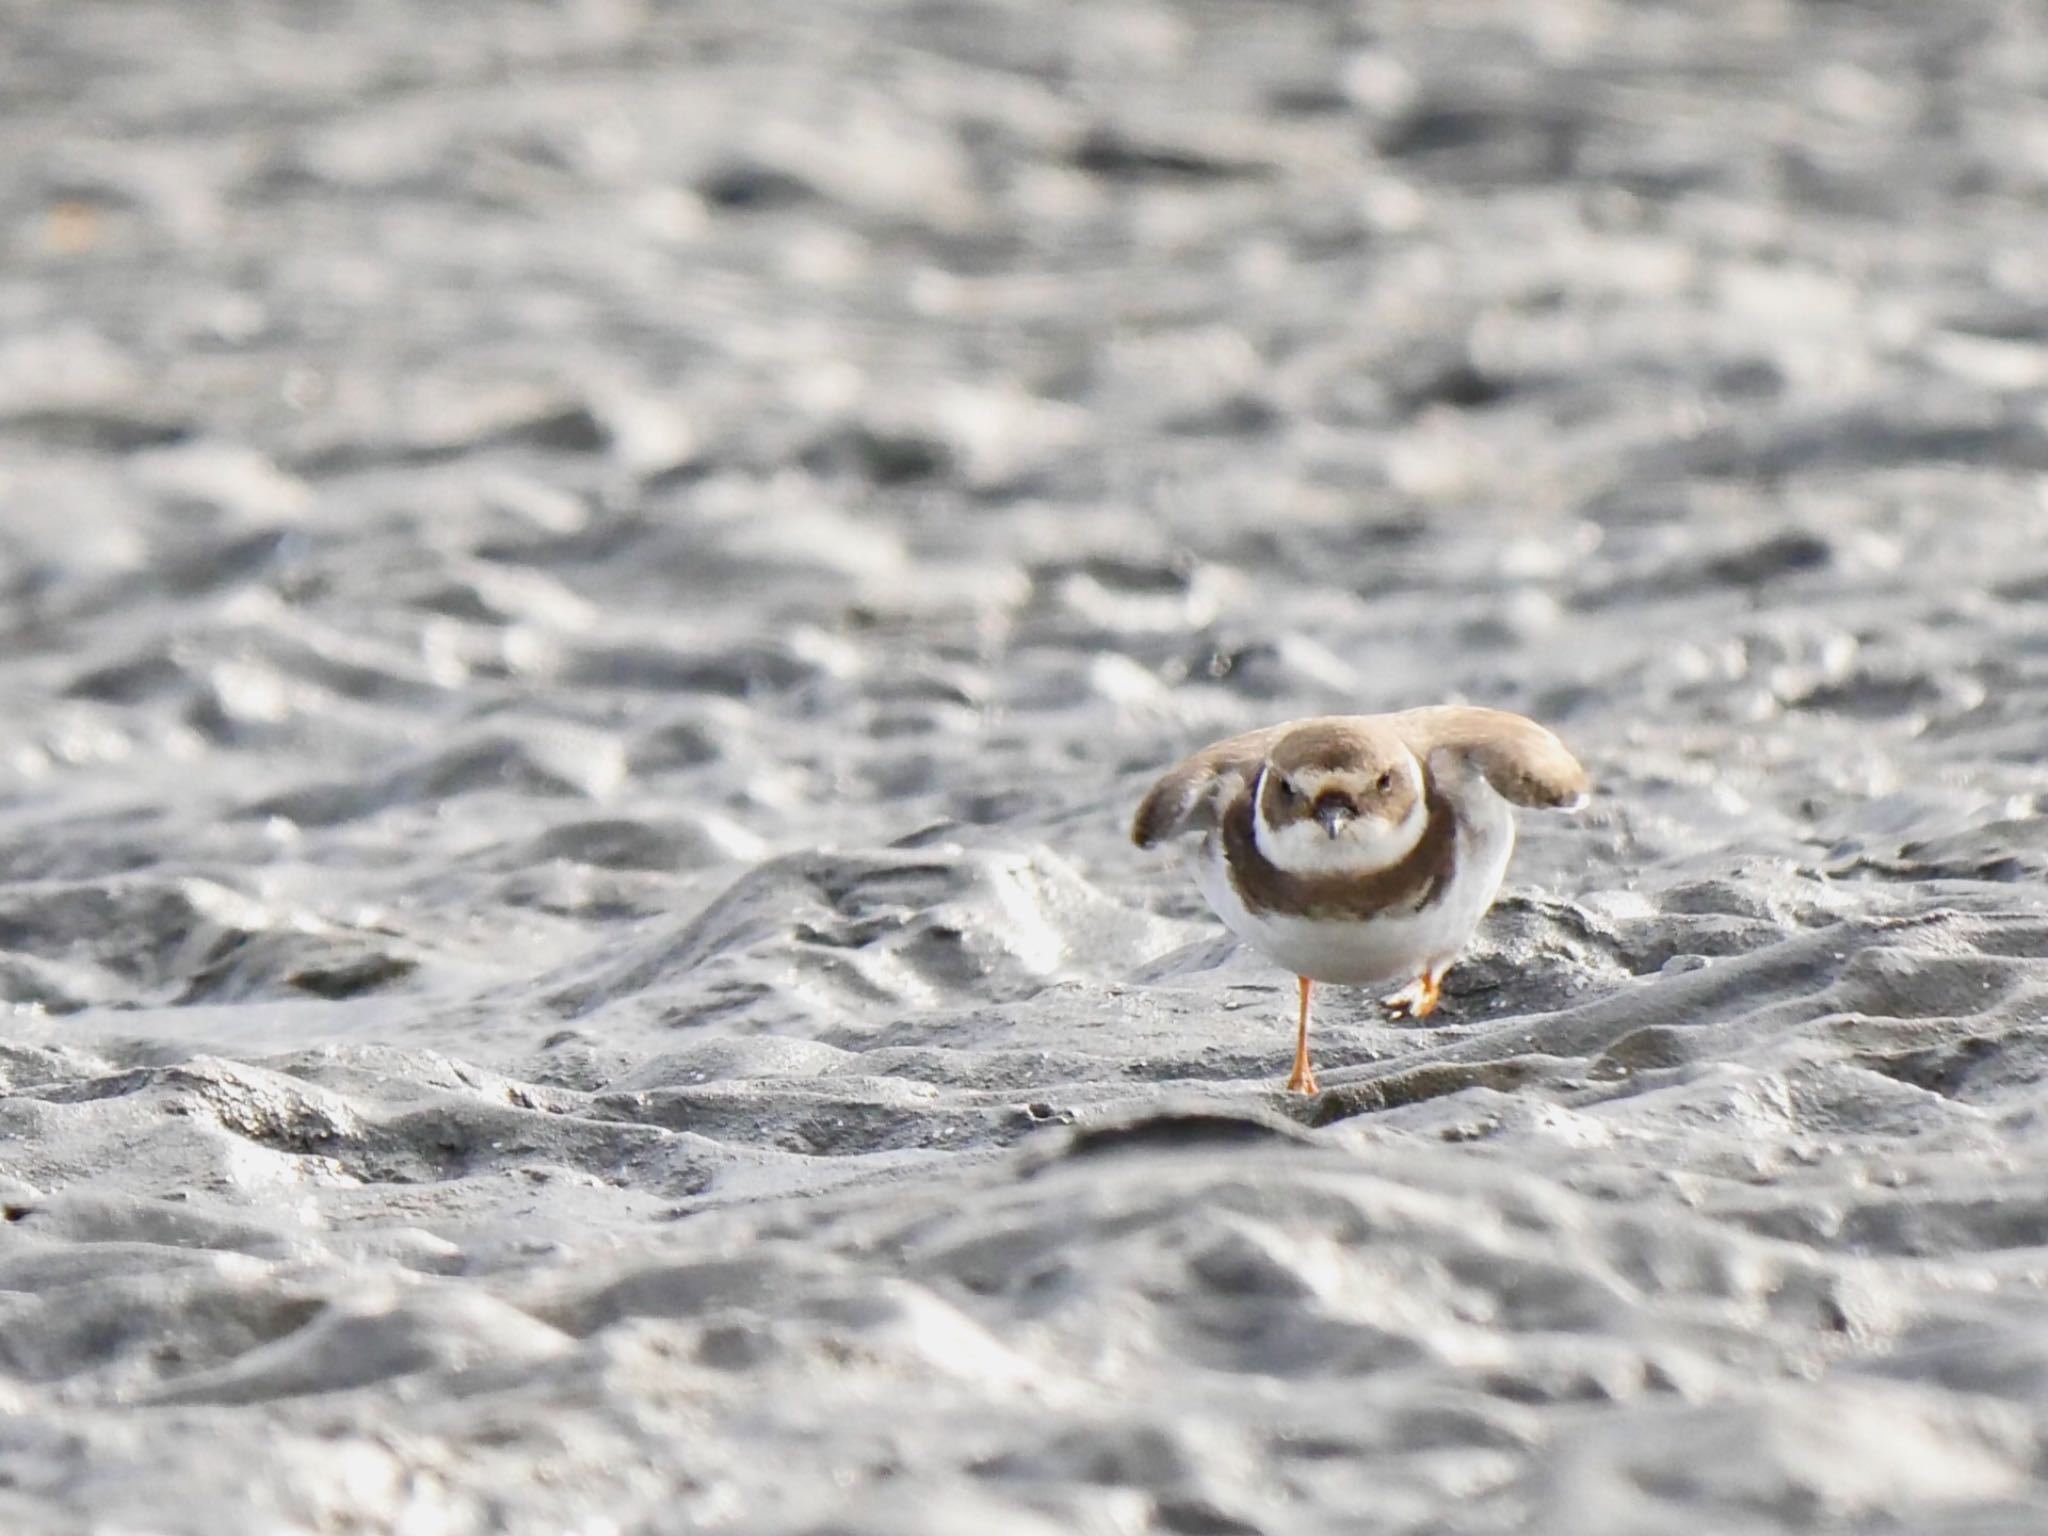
<point>1337,797</point>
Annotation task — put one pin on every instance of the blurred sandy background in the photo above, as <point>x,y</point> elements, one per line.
<point>588,589</point>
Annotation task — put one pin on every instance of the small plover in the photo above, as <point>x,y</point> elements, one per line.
<point>1361,849</point>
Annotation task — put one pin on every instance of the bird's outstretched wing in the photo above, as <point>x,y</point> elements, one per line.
<point>1524,762</point>
<point>1191,795</point>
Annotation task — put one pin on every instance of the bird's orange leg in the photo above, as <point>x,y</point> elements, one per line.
<point>1432,994</point>
<point>1304,1078</point>
<point>1419,998</point>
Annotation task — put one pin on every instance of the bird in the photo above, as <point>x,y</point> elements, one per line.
<point>1360,850</point>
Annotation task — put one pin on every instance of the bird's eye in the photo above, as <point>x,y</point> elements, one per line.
<point>1288,791</point>
<point>1386,781</point>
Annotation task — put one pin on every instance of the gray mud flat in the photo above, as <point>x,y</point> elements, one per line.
<point>587,590</point>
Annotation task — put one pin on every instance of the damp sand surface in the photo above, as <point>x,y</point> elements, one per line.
<point>588,590</point>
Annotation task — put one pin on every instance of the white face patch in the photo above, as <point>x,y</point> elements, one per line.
<point>1360,846</point>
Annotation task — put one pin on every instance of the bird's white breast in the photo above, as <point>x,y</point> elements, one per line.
<point>1394,946</point>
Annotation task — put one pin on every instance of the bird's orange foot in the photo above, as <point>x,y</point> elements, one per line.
<point>1419,998</point>
<point>1303,1080</point>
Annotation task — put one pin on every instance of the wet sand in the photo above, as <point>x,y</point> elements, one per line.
<point>588,591</point>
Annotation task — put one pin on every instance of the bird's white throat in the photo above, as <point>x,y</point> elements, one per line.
<point>1361,846</point>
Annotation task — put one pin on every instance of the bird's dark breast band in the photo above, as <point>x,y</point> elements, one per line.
<point>1412,883</point>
